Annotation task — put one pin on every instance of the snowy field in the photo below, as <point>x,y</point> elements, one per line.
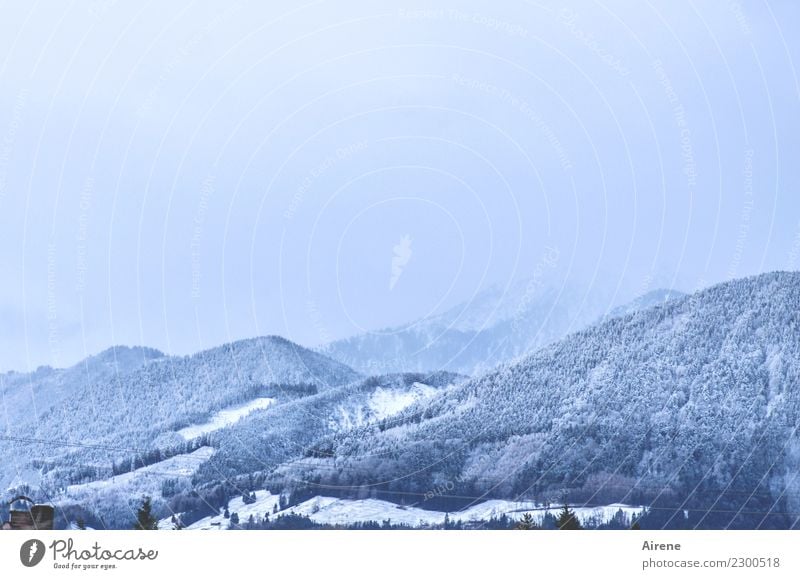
<point>225,418</point>
<point>333,511</point>
<point>327,510</point>
<point>265,503</point>
<point>181,466</point>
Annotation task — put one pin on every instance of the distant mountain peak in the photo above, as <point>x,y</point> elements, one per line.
<point>650,299</point>
<point>115,352</point>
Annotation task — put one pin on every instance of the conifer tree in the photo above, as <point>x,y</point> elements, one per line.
<point>526,523</point>
<point>567,520</point>
<point>145,521</point>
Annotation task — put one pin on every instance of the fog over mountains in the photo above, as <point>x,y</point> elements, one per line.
<point>496,325</point>
<point>686,404</point>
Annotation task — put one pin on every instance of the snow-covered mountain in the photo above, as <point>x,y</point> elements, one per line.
<point>687,405</point>
<point>497,325</point>
<point>26,396</point>
<point>243,440</point>
<point>125,403</point>
<point>218,452</point>
<point>694,403</point>
<point>32,399</point>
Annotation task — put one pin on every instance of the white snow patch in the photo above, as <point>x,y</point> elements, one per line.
<point>73,526</point>
<point>385,402</point>
<point>332,511</point>
<point>382,403</point>
<point>181,466</point>
<point>225,418</point>
<point>264,504</point>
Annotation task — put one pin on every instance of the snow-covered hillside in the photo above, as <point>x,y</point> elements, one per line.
<point>382,403</point>
<point>148,479</point>
<point>131,402</point>
<point>114,501</point>
<point>697,398</point>
<point>226,417</point>
<point>288,431</point>
<point>40,398</point>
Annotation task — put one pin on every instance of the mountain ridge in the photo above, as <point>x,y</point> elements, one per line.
<point>696,398</point>
<point>497,325</point>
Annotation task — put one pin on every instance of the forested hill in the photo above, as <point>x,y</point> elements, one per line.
<point>288,431</point>
<point>129,399</point>
<point>695,403</point>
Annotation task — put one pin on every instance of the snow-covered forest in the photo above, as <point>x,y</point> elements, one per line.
<point>681,409</point>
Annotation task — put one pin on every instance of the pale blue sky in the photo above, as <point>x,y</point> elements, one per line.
<point>182,174</point>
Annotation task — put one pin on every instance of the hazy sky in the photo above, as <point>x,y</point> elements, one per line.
<point>181,174</point>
